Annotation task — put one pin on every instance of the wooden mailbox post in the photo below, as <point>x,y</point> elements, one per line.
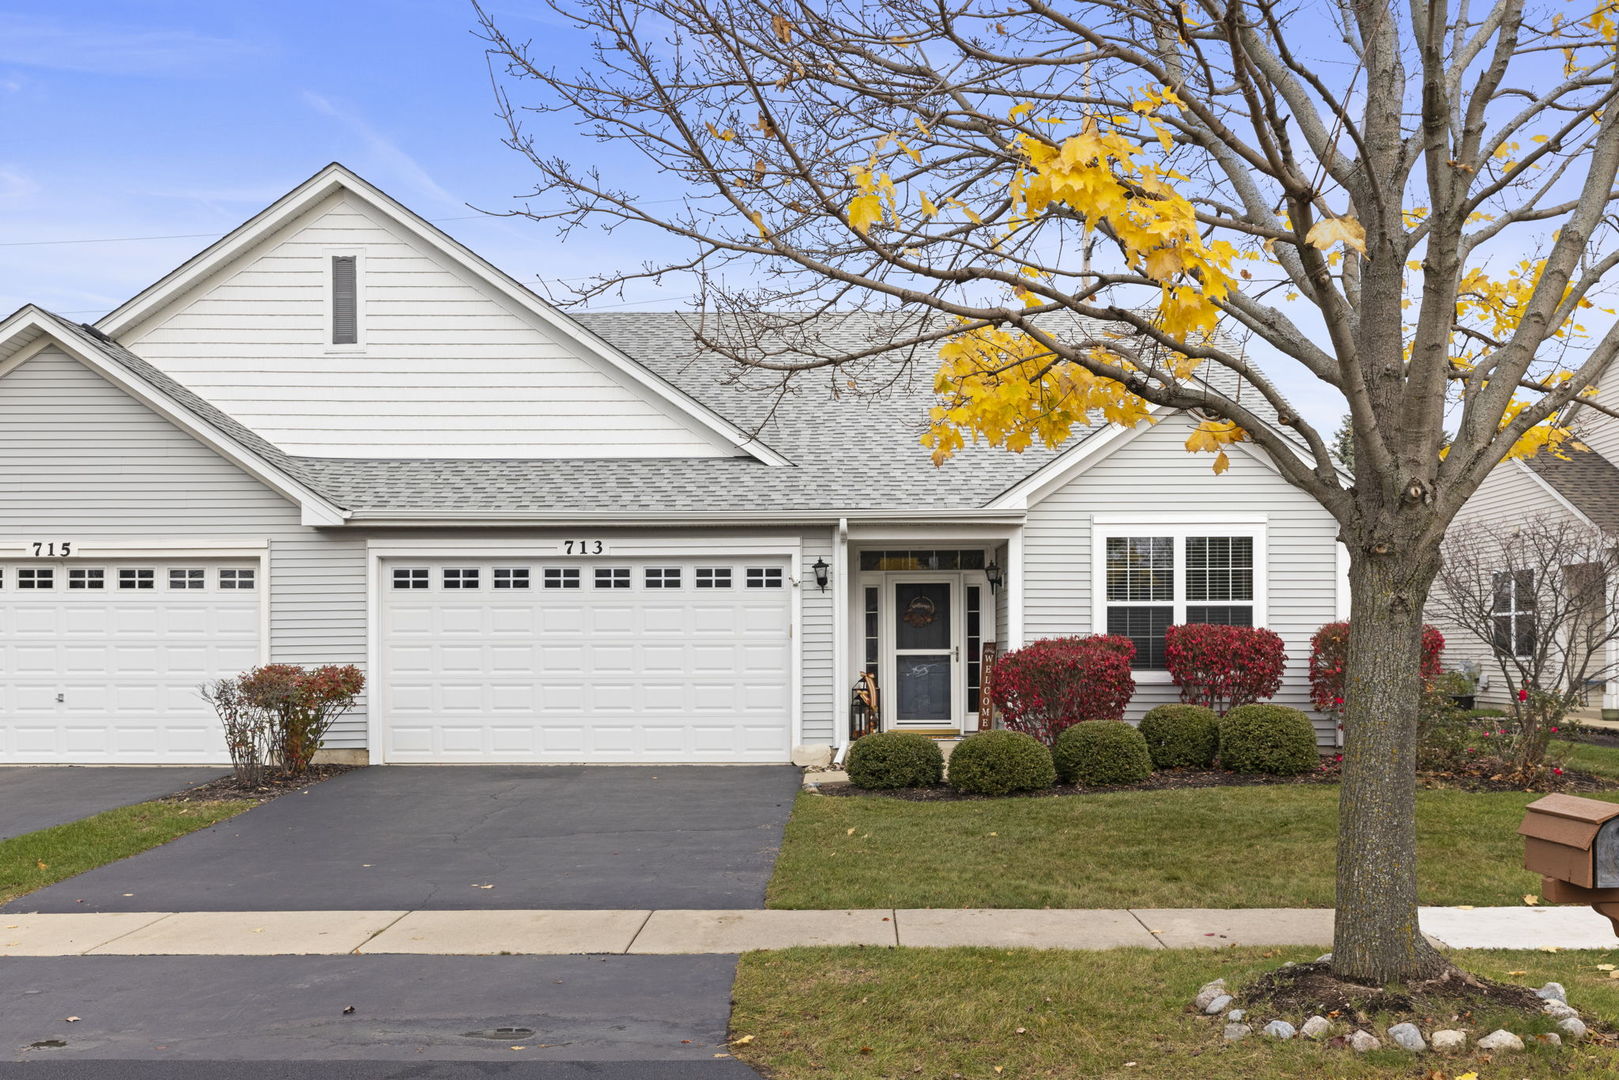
<point>1573,843</point>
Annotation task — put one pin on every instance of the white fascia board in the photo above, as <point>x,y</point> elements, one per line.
<point>642,519</point>
<point>334,178</point>
<point>1054,474</point>
<point>315,510</point>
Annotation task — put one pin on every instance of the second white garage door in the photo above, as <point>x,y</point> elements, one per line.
<point>645,660</point>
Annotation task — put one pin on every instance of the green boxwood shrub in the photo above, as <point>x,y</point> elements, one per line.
<point>1102,752</point>
<point>1267,739</point>
<point>1001,763</point>
<point>894,759</point>
<point>1181,736</point>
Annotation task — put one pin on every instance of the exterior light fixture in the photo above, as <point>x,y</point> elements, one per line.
<point>995,576</point>
<point>822,572</point>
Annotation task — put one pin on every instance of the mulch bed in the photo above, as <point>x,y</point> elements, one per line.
<point>1313,990</point>
<point>1167,780</point>
<point>1175,779</point>
<point>227,787</point>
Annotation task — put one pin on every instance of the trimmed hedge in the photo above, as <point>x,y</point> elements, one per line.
<point>1267,739</point>
<point>894,759</point>
<point>1102,752</point>
<point>1181,736</point>
<point>1001,763</point>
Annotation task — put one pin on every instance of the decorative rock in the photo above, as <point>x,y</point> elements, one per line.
<point>1407,1037</point>
<point>1450,1039</point>
<point>1207,993</point>
<point>1280,1029</point>
<point>1317,1027</point>
<point>1324,958</point>
<point>1553,991</point>
<point>1550,1038</point>
<point>1218,1005</point>
<point>1235,1016</point>
<point>1233,1032</point>
<point>1572,1026</point>
<point>1500,1039</point>
<point>1557,1010</point>
<point>1362,1041</point>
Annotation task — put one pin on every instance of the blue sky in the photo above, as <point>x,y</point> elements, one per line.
<point>176,117</point>
<point>163,117</point>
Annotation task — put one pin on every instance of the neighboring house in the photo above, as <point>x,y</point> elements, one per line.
<point>1581,487</point>
<point>338,436</point>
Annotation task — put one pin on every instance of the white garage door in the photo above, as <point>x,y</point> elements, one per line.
<point>100,660</point>
<point>654,660</point>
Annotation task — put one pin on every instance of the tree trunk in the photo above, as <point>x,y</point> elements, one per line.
<point>1377,939</point>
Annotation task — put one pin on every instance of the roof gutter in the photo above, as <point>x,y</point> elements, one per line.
<point>976,515</point>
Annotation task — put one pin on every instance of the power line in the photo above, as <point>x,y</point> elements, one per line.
<point>179,236</point>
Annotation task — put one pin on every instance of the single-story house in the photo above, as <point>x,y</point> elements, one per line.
<point>1579,487</point>
<point>339,436</point>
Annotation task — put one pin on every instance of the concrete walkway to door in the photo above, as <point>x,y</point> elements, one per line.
<point>406,838</point>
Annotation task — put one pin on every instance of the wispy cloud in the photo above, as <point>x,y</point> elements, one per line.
<point>382,149</point>
<point>107,49</point>
<point>15,185</point>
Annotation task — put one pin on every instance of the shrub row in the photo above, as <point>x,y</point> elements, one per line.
<point>1250,738</point>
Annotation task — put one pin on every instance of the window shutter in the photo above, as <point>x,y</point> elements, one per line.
<point>345,301</point>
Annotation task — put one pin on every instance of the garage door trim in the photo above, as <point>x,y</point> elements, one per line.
<point>555,548</point>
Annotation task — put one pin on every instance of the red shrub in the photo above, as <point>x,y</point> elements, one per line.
<point>1329,657</point>
<point>302,706</point>
<point>1222,667</point>
<point>1051,684</point>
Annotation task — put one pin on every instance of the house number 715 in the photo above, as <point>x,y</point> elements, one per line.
<point>52,549</point>
<point>581,547</point>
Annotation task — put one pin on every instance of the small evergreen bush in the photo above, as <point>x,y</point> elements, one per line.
<point>1102,752</point>
<point>1181,736</point>
<point>1267,739</point>
<point>1001,763</point>
<point>894,759</point>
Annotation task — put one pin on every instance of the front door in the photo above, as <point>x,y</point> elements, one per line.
<point>925,653</point>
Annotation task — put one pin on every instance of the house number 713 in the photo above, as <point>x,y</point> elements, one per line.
<point>52,549</point>
<point>581,547</point>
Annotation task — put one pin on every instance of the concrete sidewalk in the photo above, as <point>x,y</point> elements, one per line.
<point>672,932</point>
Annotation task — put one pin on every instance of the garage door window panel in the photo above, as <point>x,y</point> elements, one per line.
<point>410,577</point>
<point>713,577</point>
<point>612,577</point>
<point>511,577</point>
<point>36,577</point>
<point>766,577</point>
<point>561,577</point>
<point>238,580</point>
<point>183,579</point>
<point>461,577</point>
<point>86,577</point>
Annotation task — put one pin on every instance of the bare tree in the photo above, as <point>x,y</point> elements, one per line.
<point>1078,195</point>
<point>1538,594</point>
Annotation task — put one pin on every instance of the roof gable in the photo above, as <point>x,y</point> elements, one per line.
<point>457,359</point>
<point>31,329</point>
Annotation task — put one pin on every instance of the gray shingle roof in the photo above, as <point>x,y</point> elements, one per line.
<point>851,450</point>
<point>1586,479</point>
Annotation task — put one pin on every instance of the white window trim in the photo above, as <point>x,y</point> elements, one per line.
<point>1177,528</point>
<point>1515,612</point>
<point>329,296</point>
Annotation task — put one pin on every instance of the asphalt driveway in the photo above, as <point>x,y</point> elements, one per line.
<point>457,837</point>
<point>36,798</point>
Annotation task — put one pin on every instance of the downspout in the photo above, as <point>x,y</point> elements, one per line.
<point>840,638</point>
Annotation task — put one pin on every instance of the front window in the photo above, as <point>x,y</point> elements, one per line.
<point>1153,582</point>
<point>1514,613</point>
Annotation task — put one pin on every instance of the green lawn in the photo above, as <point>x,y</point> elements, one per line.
<point>1205,847</point>
<point>1601,760</point>
<point>37,859</point>
<point>989,1014</point>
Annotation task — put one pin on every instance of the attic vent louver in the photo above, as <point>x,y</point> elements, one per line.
<point>345,301</point>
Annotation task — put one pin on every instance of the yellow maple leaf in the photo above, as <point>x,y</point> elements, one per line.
<point>1340,230</point>
<point>1531,899</point>
<point>865,211</point>
<point>727,134</point>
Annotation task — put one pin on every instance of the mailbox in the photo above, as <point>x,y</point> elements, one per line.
<point>1572,839</point>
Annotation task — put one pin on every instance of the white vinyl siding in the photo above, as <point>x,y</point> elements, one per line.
<point>81,459</point>
<point>1152,474</point>
<point>443,368</point>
